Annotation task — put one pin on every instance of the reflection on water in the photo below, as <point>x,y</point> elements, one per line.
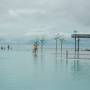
<point>42,56</point>
<point>76,66</point>
<point>43,71</point>
<point>35,56</point>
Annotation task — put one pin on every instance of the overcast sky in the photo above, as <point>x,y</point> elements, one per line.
<point>23,17</point>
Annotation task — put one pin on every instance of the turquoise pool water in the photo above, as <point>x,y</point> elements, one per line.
<point>23,70</point>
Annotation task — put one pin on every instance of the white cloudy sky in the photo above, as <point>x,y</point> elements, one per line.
<point>22,17</point>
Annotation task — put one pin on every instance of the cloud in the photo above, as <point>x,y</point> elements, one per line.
<point>19,12</point>
<point>12,13</point>
<point>44,15</point>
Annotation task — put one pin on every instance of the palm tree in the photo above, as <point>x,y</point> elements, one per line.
<point>62,39</point>
<point>56,38</point>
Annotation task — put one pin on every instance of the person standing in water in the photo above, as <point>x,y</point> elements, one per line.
<point>8,47</point>
<point>35,47</point>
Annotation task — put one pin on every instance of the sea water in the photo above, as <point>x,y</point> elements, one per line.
<point>20,69</point>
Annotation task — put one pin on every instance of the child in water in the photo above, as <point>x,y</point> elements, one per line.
<point>35,48</point>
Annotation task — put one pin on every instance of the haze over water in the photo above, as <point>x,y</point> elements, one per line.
<point>22,22</point>
<point>23,70</point>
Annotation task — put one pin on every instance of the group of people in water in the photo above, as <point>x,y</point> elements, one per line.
<point>34,47</point>
<point>5,47</point>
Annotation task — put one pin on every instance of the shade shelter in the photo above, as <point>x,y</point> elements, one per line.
<point>77,40</point>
